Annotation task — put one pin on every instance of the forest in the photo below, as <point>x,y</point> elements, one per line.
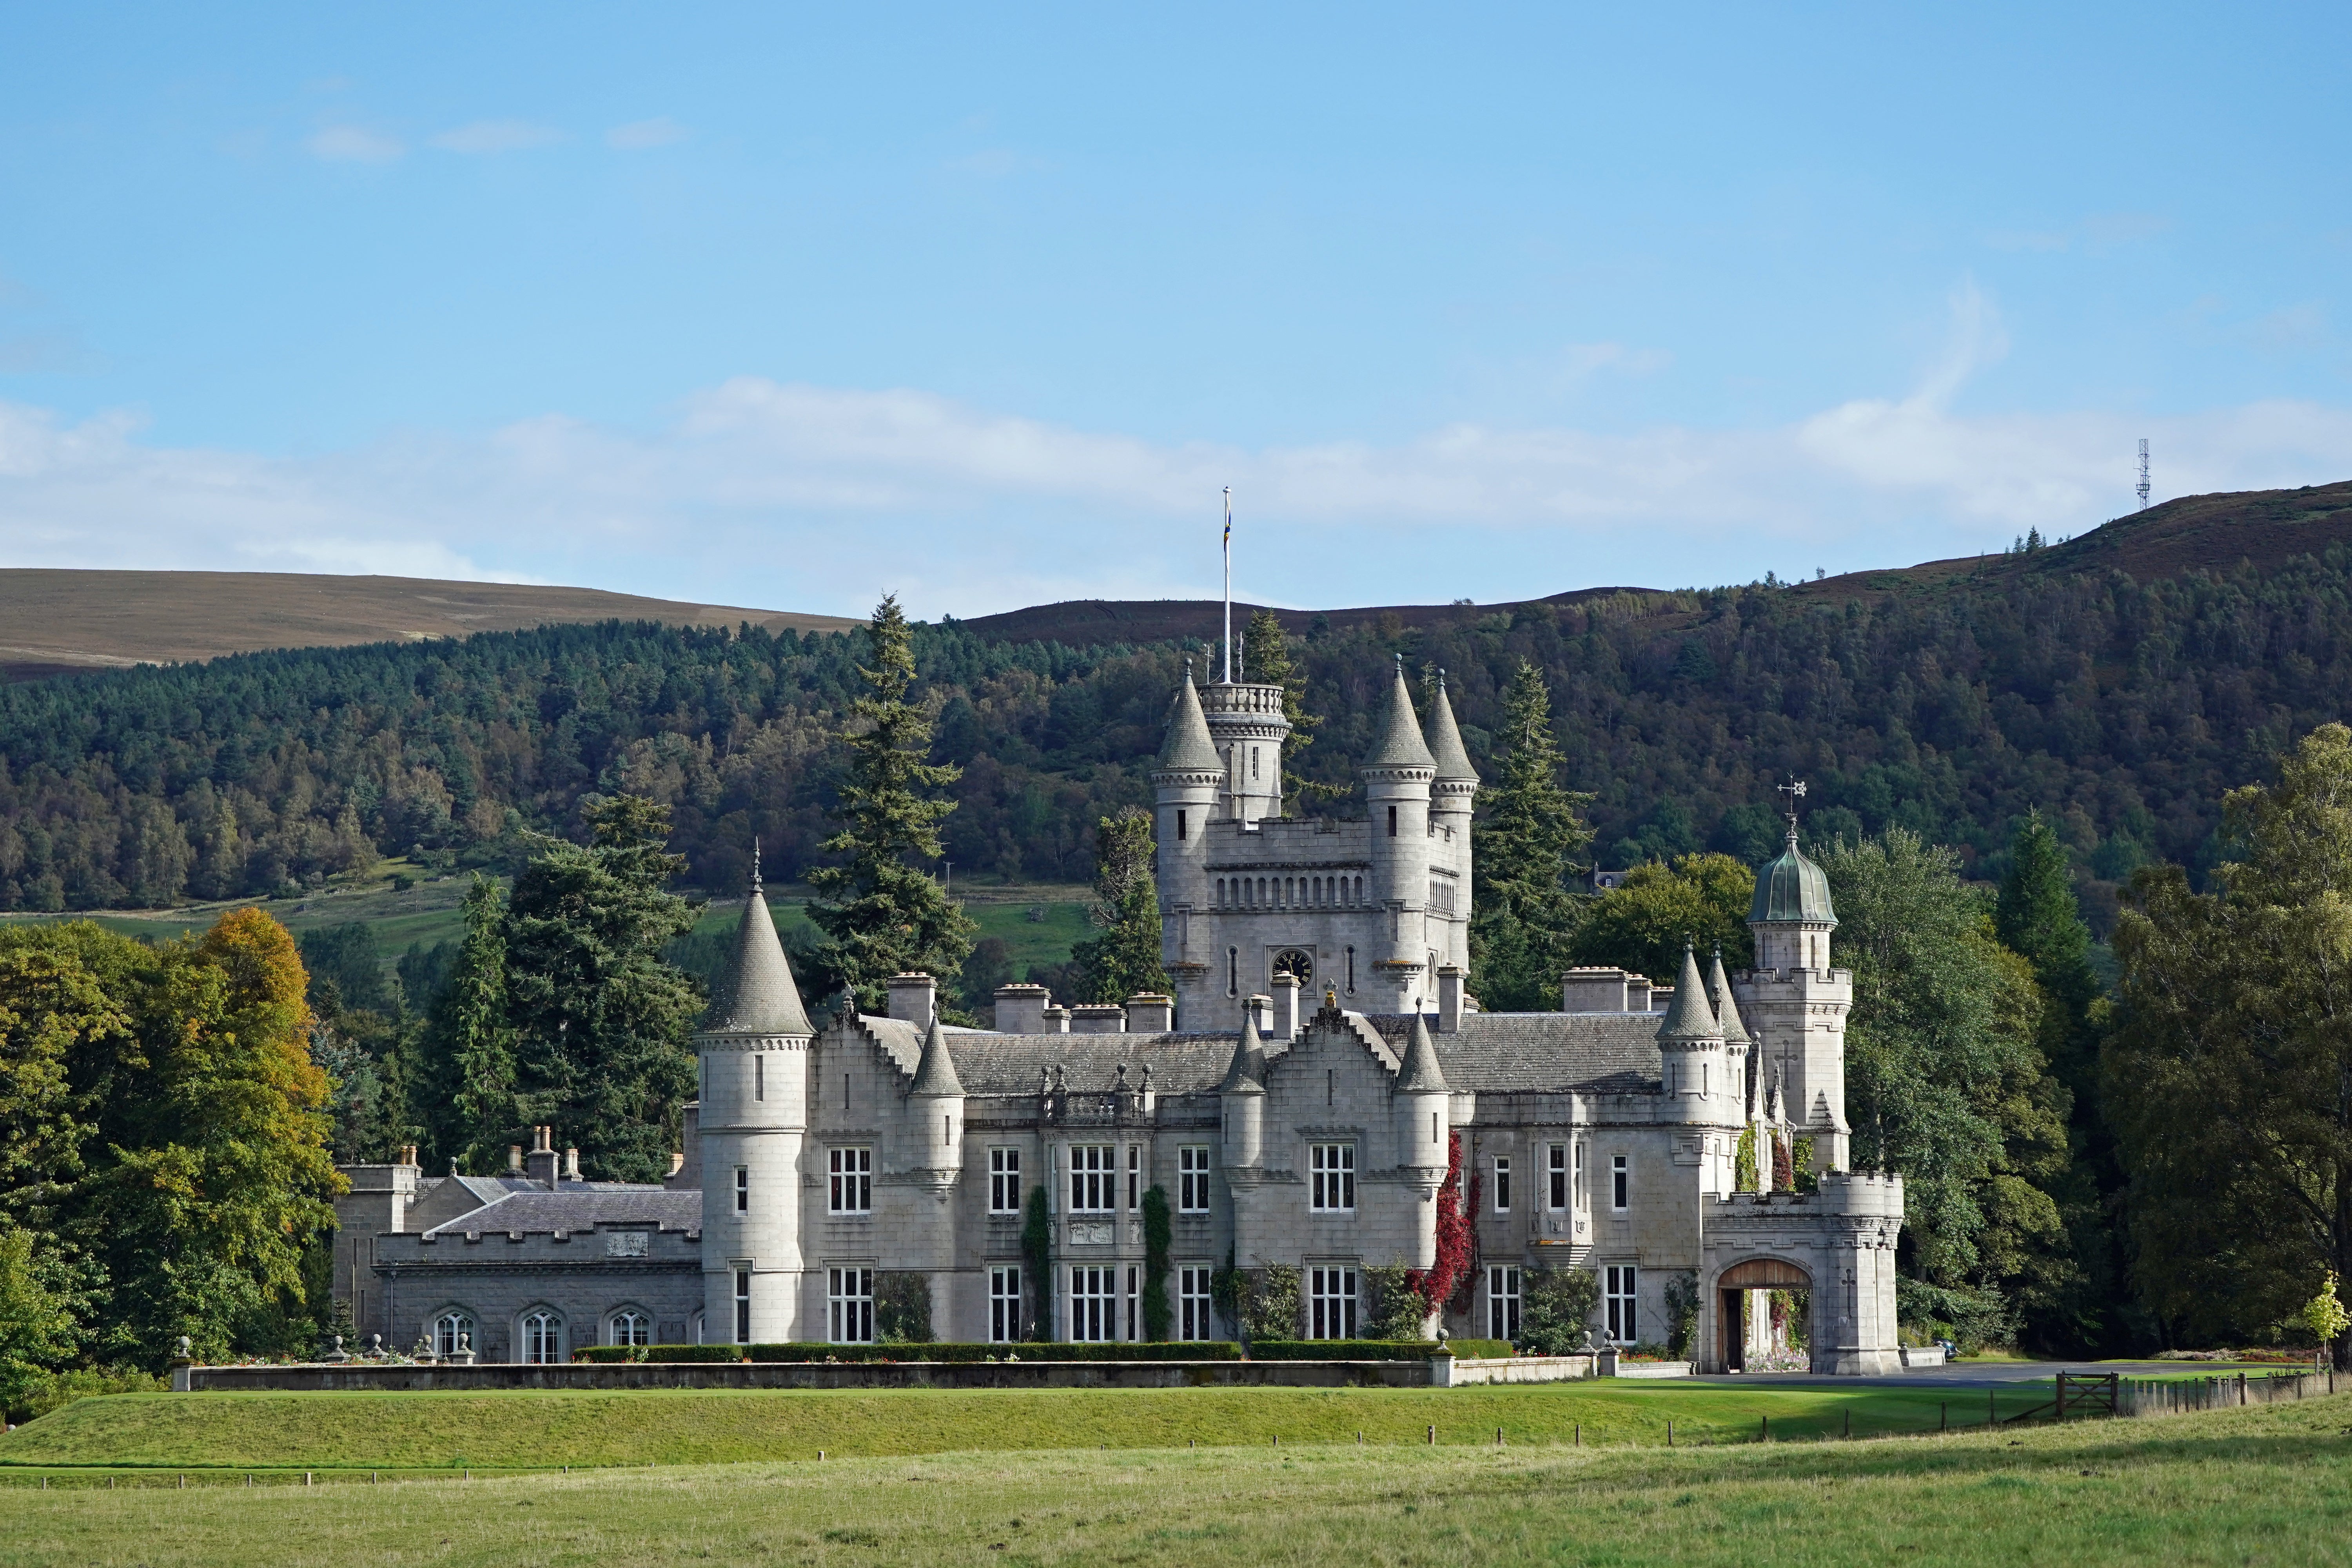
<point>2118,709</point>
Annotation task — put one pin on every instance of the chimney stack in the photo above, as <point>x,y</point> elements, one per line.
<point>1285,1005</point>
<point>1261,1011</point>
<point>514,1159</point>
<point>1097,1018</point>
<point>539,1163</point>
<point>913,998</point>
<point>571,1164</point>
<point>1021,1009</point>
<point>1449,999</point>
<point>1151,1013</point>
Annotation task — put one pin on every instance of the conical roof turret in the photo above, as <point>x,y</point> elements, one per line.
<point>935,1073</point>
<point>1688,1016</point>
<point>1726,1011</point>
<point>1445,741</point>
<point>1188,748</point>
<point>1419,1073</point>
<point>1246,1073</point>
<point>755,994</point>
<point>1400,744</point>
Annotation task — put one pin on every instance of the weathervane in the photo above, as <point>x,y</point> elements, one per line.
<point>1795,789</point>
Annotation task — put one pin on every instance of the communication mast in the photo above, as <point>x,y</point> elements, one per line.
<point>2143,473</point>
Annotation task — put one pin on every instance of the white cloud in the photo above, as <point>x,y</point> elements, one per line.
<point>353,144</point>
<point>804,497</point>
<point>497,136</point>
<point>640,134</point>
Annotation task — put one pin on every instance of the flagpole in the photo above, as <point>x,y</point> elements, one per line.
<point>1229,584</point>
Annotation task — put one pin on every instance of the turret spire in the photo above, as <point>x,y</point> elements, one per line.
<point>755,994</point>
<point>1688,1016</point>
<point>1419,1072</point>
<point>934,1074</point>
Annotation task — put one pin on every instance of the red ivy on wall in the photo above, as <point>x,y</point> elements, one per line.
<point>1457,1240</point>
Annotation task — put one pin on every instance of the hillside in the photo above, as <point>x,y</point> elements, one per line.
<point>57,621</point>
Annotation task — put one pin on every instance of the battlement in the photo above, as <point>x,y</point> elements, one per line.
<point>1872,1193</point>
<point>1243,701</point>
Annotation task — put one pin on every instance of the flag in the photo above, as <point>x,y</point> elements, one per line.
<point>1229,517</point>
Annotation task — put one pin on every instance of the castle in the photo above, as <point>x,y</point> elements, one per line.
<point>1299,1100</point>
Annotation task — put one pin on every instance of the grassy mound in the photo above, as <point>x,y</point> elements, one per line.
<point>372,1431</point>
<point>2270,1485</point>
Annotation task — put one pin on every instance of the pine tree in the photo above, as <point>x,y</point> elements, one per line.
<point>1265,660</point>
<point>1125,959</point>
<point>1528,830</point>
<point>2036,916</point>
<point>471,1044</point>
<point>884,915</point>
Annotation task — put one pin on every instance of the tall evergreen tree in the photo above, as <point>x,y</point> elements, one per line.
<point>883,914</point>
<point>601,1018</point>
<point>470,1043</point>
<point>1266,659</point>
<point>1527,831</point>
<point>1125,959</point>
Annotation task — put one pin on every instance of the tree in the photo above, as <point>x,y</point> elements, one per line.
<point>471,1044</point>
<point>2225,1074</point>
<point>882,914</point>
<point>1644,924</point>
<point>1266,659</point>
<point>1125,959</point>
<point>1945,1083</point>
<point>1523,844</point>
<point>601,1018</point>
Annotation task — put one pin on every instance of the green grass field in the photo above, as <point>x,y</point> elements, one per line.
<point>2261,1485</point>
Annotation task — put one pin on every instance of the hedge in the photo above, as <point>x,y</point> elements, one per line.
<point>811,1351</point>
<point>1370,1350</point>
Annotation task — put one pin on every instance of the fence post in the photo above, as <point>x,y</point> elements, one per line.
<point>2241,1388</point>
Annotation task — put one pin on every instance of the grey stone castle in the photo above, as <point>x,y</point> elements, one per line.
<point>1299,1100</point>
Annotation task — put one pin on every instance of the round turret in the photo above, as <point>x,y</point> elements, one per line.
<point>1791,914</point>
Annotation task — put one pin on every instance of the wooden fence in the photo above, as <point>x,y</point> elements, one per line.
<point>2180,1396</point>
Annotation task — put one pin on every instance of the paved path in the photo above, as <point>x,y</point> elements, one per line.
<point>1996,1374</point>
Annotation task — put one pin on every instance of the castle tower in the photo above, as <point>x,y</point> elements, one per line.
<point>1398,776</point>
<point>1422,1104</point>
<point>1187,787</point>
<point>935,1107</point>
<point>1690,1046</point>
<point>1796,1004</point>
<point>1450,794</point>
<point>1241,1098</point>
<point>753,1046</point>
<point>1246,729</point>
<point>1739,1048</point>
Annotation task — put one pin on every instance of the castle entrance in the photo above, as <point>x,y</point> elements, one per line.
<point>1763,1316</point>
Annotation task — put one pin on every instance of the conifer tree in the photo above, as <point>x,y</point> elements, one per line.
<point>1528,830</point>
<point>1125,959</point>
<point>881,912</point>
<point>472,1044</point>
<point>1265,660</point>
<point>2036,918</point>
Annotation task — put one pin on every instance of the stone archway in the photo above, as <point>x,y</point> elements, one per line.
<point>1737,1297</point>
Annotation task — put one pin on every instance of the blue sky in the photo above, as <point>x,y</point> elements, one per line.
<point>792,306</point>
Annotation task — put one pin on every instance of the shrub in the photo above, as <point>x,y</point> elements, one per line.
<point>1398,1311</point>
<point>685,1352</point>
<point>902,1309</point>
<point>615,1352</point>
<point>1273,1298</point>
<point>1168,1350</point>
<point>1159,1235</point>
<point>1556,1307</point>
<point>1682,1313</point>
<point>1037,1258</point>
<point>1344,1350</point>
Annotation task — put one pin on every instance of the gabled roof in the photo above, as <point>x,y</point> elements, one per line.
<point>755,994</point>
<point>1420,1074</point>
<point>1400,745</point>
<point>1188,748</point>
<point>1538,1053</point>
<point>1688,1017</point>
<point>581,1209</point>
<point>936,1072</point>
<point>1445,741</point>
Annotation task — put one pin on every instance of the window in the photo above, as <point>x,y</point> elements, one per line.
<point>1094,1178</point>
<point>1392,822</point>
<point>1556,1175</point>
<point>1351,965</point>
<point>1253,752</point>
<point>452,1333</point>
<point>742,1306</point>
<point>849,1306</point>
<point>1134,1283</point>
<point>1093,1303</point>
<point>1134,1175</point>
<point>759,1077</point>
<point>1333,1168</point>
<point>1004,1304</point>
<point>1502,1303</point>
<point>852,1190</point>
<point>742,1190</point>
<point>1234,972</point>
<point>1331,1304</point>
<point>1179,827</point>
<point>1194,1319</point>
<point>1584,1191</point>
<point>1617,1292</point>
<point>1620,1182</point>
<point>1502,1186</point>
<point>630,1327</point>
<point>1004,1180</point>
<point>1192,1179</point>
<point>542,1339</point>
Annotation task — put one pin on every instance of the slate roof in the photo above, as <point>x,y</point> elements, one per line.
<point>1400,745</point>
<point>1421,1073</point>
<point>1445,741</point>
<point>755,994</point>
<point>1529,1053</point>
<point>936,1072</point>
<point>1188,748</point>
<point>1688,1015</point>
<point>580,1208</point>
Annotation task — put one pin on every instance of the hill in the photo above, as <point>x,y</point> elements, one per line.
<point>59,621</point>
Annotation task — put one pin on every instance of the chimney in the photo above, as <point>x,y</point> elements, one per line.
<point>913,997</point>
<point>408,1155</point>
<point>1261,1011</point>
<point>688,1176</point>
<point>1054,1021</point>
<point>1449,999</point>
<point>1658,999</point>
<point>1151,1013</point>
<point>1601,990</point>
<point>571,1164</point>
<point>539,1163</point>
<point>514,1160</point>
<point>677,1161</point>
<point>1285,1005</point>
<point>1021,1009</point>
<point>1097,1018</point>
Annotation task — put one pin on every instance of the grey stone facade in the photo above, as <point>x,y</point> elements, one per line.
<point>1298,1101</point>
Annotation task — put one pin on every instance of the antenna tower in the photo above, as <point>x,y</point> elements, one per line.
<point>2143,473</point>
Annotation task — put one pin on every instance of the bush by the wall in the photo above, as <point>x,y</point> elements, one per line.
<point>1172,1349</point>
<point>658,1353</point>
<point>1371,1350</point>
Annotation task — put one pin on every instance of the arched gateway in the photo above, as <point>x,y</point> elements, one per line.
<point>1835,1243</point>
<point>1745,1324</point>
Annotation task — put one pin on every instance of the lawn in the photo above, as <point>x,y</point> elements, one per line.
<point>2259,1485</point>
<point>508,1430</point>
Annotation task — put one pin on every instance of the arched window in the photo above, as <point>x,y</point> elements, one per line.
<point>629,1327</point>
<point>542,1338</point>
<point>1232,972</point>
<point>453,1331</point>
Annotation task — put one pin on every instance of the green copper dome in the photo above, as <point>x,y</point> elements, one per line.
<point>1793,889</point>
